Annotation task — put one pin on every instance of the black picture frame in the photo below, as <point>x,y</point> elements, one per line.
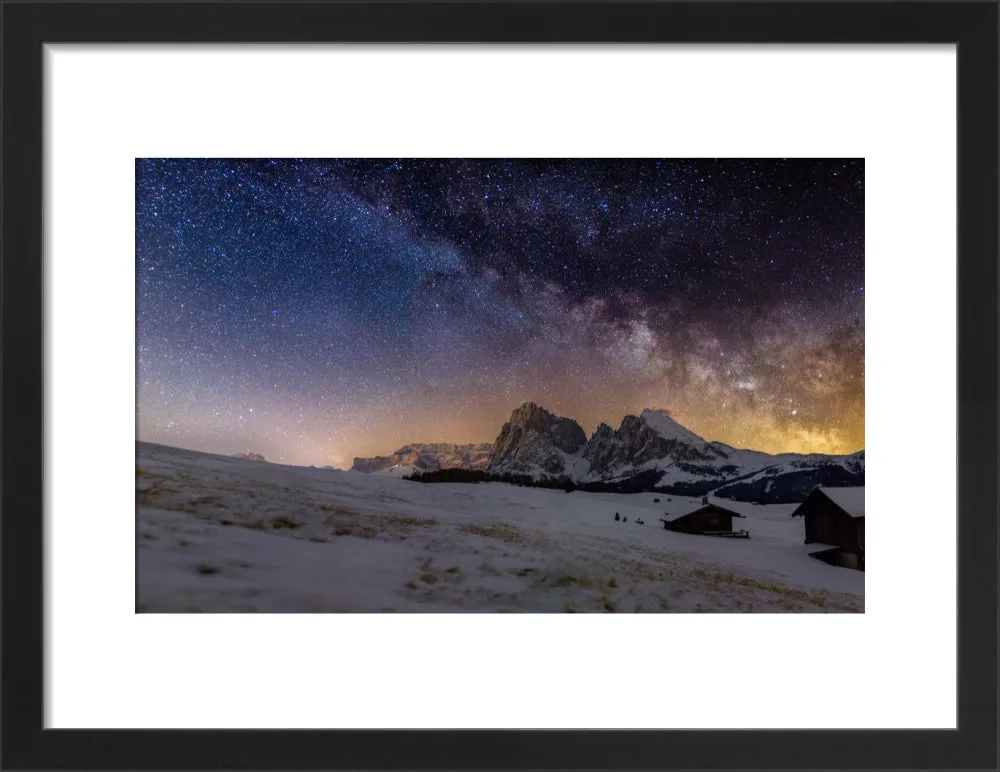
<point>28,25</point>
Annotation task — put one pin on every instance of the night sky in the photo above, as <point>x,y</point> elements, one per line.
<point>316,310</point>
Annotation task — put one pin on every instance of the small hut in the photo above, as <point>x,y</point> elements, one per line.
<point>836,517</point>
<point>707,519</point>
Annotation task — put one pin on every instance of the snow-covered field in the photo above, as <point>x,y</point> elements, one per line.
<point>221,534</point>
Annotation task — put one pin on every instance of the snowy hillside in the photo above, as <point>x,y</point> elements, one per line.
<point>223,534</point>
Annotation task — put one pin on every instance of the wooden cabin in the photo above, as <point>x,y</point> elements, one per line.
<point>836,517</point>
<point>702,518</point>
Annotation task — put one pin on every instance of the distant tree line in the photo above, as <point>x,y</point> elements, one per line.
<point>639,483</point>
<point>480,475</point>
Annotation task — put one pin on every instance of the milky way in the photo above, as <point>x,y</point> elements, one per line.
<point>316,310</point>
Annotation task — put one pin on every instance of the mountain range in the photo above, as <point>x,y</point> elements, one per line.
<point>250,456</point>
<point>648,452</point>
<point>430,457</point>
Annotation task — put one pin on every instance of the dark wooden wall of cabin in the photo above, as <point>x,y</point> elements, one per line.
<point>711,519</point>
<point>826,523</point>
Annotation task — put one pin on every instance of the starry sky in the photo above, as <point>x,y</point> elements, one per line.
<point>316,310</point>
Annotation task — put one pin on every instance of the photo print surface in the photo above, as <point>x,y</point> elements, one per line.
<point>500,385</point>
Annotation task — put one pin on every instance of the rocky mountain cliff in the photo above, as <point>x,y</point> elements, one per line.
<point>654,452</point>
<point>643,440</point>
<point>539,443</point>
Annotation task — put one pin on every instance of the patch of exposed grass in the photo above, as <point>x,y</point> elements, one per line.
<point>366,532</point>
<point>640,570</point>
<point>284,521</point>
<point>225,522</point>
<point>343,532</point>
<point>565,581</point>
<point>375,523</point>
<point>148,498</point>
<point>505,533</point>
<point>609,606</point>
<point>413,522</point>
<point>206,569</point>
<point>337,510</point>
<point>256,525</point>
<point>320,539</point>
<point>452,570</point>
<point>412,586</point>
<point>428,579</point>
<point>612,582</point>
<point>719,578</point>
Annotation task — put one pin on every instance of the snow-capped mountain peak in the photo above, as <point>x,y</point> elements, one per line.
<point>661,422</point>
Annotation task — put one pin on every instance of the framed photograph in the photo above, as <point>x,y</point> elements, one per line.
<point>500,381</point>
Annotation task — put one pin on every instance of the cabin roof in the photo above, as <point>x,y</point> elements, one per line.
<point>851,500</point>
<point>684,507</point>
